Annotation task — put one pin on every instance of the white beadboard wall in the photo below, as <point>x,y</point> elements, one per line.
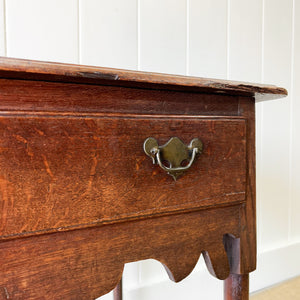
<point>250,40</point>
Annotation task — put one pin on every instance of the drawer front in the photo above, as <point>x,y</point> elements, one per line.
<point>66,172</point>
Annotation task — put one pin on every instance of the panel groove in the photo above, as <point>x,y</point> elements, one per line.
<point>291,121</point>
<point>78,32</point>
<point>228,40</point>
<point>3,27</point>
<point>187,63</point>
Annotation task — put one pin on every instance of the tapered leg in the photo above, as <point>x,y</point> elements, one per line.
<point>118,295</point>
<point>236,287</point>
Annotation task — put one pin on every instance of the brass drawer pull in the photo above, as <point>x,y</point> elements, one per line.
<point>174,153</point>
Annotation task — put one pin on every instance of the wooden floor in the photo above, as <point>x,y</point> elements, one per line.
<point>289,290</point>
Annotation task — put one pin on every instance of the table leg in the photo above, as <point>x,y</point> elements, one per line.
<point>236,287</point>
<point>118,294</point>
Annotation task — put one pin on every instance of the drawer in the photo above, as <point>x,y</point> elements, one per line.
<point>62,172</point>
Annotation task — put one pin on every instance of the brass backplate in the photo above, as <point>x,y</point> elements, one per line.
<point>172,155</point>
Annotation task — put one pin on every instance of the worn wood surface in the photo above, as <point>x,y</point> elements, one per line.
<point>27,95</point>
<point>242,251</point>
<point>65,172</point>
<point>27,69</point>
<point>79,197</point>
<point>86,263</point>
<point>248,210</point>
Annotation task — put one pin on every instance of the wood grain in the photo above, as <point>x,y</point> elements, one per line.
<point>248,210</point>
<point>242,252</point>
<point>27,69</point>
<point>25,95</point>
<point>87,263</point>
<point>62,173</point>
<point>79,197</point>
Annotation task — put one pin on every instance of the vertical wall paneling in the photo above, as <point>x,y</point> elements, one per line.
<point>42,29</point>
<point>295,172</point>
<point>187,40</point>
<point>2,28</point>
<point>245,40</point>
<point>138,34</point>
<point>208,38</point>
<point>275,130</point>
<point>163,36</point>
<point>108,33</point>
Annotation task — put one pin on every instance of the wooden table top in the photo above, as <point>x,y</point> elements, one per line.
<point>49,71</point>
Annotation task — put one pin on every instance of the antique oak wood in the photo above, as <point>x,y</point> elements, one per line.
<point>79,198</point>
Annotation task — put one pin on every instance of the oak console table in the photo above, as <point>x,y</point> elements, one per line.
<point>100,167</point>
